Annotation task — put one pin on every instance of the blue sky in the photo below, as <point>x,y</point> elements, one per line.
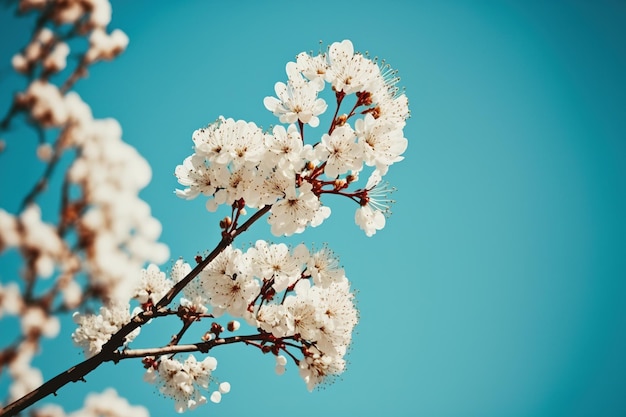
<point>497,287</point>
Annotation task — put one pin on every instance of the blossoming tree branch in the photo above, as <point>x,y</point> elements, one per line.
<point>293,303</point>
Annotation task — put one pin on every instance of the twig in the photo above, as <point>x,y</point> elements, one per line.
<point>203,347</point>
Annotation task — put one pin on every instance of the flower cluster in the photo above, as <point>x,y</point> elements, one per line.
<point>299,300</point>
<point>183,381</point>
<point>238,161</point>
<point>94,330</point>
<point>115,226</point>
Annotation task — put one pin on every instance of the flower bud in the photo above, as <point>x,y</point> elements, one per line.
<point>226,222</point>
<point>233,325</point>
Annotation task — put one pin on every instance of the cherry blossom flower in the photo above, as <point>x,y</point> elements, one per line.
<point>299,208</point>
<point>199,178</point>
<point>105,46</point>
<point>381,140</point>
<point>109,403</point>
<point>371,215</point>
<point>350,72</point>
<point>229,284</point>
<point>314,68</point>
<point>275,262</point>
<point>45,102</point>
<point>297,100</point>
<point>316,367</point>
<point>153,285</point>
<point>285,149</point>
<point>341,152</point>
<point>324,268</point>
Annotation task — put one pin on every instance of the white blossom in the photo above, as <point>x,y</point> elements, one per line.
<point>374,207</point>
<point>109,404</point>
<point>324,268</point>
<point>297,100</point>
<point>94,330</point>
<point>153,285</point>
<point>381,140</point>
<point>350,72</point>
<point>57,59</point>
<point>340,151</point>
<point>229,283</point>
<point>275,262</point>
<point>103,46</point>
<point>299,208</point>
<point>45,103</point>
<point>314,68</point>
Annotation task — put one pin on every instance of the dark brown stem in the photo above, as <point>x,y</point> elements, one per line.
<point>301,128</point>
<point>176,338</point>
<point>13,110</point>
<point>78,73</point>
<point>339,95</point>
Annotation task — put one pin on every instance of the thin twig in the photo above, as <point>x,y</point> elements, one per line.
<point>203,347</point>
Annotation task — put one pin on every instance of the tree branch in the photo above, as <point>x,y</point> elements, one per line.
<point>110,351</point>
<point>227,239</point>
<point>203,347</point>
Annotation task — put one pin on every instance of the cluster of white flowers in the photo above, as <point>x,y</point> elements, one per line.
<point>35,238</point>
<point>104,46</point>
<point>43,48</point>
<point>184,381</point>
<point>87,16</point>
<point>237,161</point>
<point>94,330</point>
<point>115,226</point>
<point>45,103</point>
<point>294,295</point>
<point>108,404</point>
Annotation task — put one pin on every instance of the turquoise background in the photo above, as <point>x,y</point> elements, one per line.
<point>498,286</point>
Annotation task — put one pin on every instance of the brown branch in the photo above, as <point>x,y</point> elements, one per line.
<point>79,72</point>
<point>6,121</point>
<point>43,181</point>
<point>203,347</point>
<point>73,374</point>
<point>227,239</point>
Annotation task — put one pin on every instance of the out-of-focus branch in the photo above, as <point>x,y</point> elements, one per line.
<point>42,183</point>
